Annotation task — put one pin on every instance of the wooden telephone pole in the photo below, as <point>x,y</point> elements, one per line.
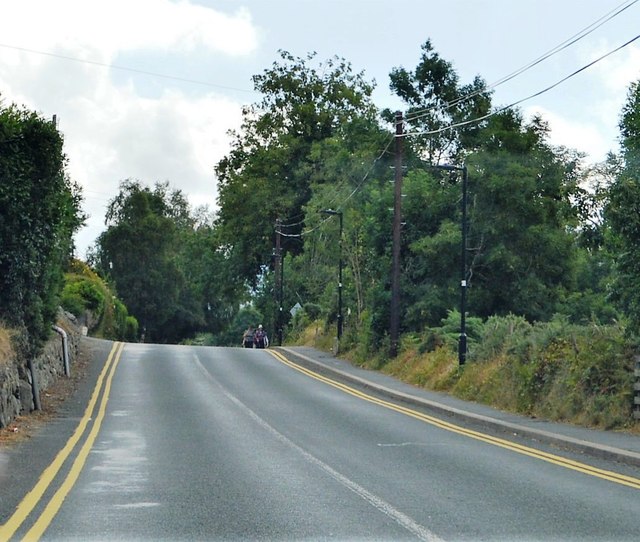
<point>394,329</point>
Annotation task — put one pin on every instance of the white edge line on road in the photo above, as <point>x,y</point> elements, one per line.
<point>400,518</point>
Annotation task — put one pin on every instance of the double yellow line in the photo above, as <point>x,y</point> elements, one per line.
<point>610,476</point>
<point>32,498</point>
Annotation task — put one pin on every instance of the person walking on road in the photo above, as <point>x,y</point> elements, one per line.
<point>260,339</point>
<point>248,337</point>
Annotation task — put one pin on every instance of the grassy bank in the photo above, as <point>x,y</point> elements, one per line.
<point>555,370</point>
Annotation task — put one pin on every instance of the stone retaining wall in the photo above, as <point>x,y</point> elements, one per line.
<point>16,396</point>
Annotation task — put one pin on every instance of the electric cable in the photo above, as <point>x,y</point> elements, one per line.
<point>355,190</point>
<point>124,68</point>
<point>558,48</point>
<point>518,102</point>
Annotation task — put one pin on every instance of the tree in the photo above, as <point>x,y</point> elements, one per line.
<point>436,101</point>
<point>40,213</point>
<point>275,159</point>
<point>521,255</point>
<point>210,276</point>
<point>623,212</point>
<point>138,252</point>
<point>521,242</point>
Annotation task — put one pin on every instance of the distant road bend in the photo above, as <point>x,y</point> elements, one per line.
<point>196,443</point>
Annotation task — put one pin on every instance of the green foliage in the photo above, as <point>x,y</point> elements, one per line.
<point>117,324</point>
<point>554,370</point>
<point>40,213</point>
<point>280,152</point>
<point>622,214</point>
<point>90,299</point>
<point>81,294</point>
<point>499,335</point>
<point>312,311</point>
<point>138,252</point>
<point>311,315</point>
<point>630,127</point>
<point>435,99</point>
<point>168,264</point>
<point>522,250</point>
<point>201,339</point>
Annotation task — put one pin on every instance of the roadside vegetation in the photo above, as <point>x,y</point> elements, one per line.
<point>553,370</point>
<point>92,301</point>
<point>553,244</point>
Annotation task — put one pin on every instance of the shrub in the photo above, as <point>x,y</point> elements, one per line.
<point>88,297</point>
<point>81,294</point>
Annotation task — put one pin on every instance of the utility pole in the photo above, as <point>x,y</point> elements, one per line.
<point>278,276</point>
<point>394,330</point>
<point>340,323</point>
<point>462,343</point>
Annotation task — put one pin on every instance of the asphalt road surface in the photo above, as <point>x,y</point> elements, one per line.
<point>195,443</point>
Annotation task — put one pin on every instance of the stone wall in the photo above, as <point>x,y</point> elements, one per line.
<point>16,396</point>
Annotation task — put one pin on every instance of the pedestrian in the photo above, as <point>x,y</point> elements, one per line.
<point>260,339</point>
<point>248,337</point>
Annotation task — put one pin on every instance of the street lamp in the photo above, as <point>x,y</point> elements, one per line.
<point>338,213</point>
<point>462,343</point>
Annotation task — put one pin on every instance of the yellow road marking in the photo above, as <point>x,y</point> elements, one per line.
<point>615,477</point>
<point>32,498</point>
<point>58,498</point>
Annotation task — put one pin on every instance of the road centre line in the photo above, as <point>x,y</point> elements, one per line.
<point>421,532</point>
<point>610,476</point>
<point>31,499</point>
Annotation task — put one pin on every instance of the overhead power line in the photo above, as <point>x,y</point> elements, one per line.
<point>518,102</point>
<point>124,68</point>
<point>353,193</point>
<point>415,115</point>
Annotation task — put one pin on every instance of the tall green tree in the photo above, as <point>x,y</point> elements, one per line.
<point>522,245</point>
<point>274,159</point>
<point>623,212</point>
<point>439,107</point>
<point>209,274</point>
<point>138,252</point>
<point>520,253</point>
<point>40,213</point>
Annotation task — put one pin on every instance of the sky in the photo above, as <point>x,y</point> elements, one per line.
<point>148,89</point>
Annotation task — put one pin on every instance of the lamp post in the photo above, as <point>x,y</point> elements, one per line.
<point>462,343</point>
<point>338,213</point>
<point>279,276</point>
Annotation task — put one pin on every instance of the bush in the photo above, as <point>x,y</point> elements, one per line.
<point>555,370</point>
<point>201,339</point>
<point>500,334</point>
<point>88,297</point>
<point>82,294</point>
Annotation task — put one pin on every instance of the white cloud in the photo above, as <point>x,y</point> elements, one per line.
<point>173,138</point>
<point>619,69</point>
<point>584,136</point>
<point>111,132</point>
<point>124,25</point>
<point>590,123</point>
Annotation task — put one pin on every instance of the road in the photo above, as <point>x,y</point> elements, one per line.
<point>195,443</point>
